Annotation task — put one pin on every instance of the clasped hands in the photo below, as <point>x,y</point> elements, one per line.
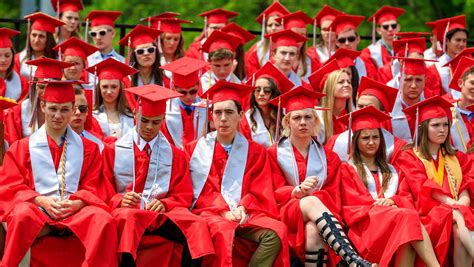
<point>59,209</point>
<point>306,187</point>
<point>132,200</point>
<point>237,215</point>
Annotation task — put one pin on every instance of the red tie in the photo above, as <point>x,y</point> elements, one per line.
<point>147,148</point>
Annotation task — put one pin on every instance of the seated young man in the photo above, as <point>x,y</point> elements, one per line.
<point>149,185</point>
<point>232,185</point>
<point>49,183</point>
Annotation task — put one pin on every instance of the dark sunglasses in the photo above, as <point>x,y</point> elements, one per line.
<point>83,108</point>
<point>349,39</point>
<point>149,50</point>
<point>101,33</point>
<point>190,92</point>
<point>387,26</point>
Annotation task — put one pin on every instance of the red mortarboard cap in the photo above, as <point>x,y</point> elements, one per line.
<point>410,35</point>
<point>43,22</point>
<point>464,64</point>
<point>275,9</point>
<point>298,19</point>
<point>270,71</point>
<point>345,22</point>
<point>297,99</point>
<point>453,63</point>
<point>170,25</point>
<point>223,91</point>
<point>6,103</point>
<point>153,98</point>
<point>48,68</point>
<point>327,13</point>
<point>318,78</point>
<point>76,47</point>
<point>67,5</point>
<point>365,118</point>
<point>445,25</point>
<point>218,40</point>
<point>414,66</point>
<point>163,15</point>
<point>431,108</point>
<point>140,35</point>
<point>417,45</point>
<point>286,38</point>
<point>103,17</point>
<point>111,69</point>
<point>185,71</point>
<point>345,57</point>
<point>218,16</point>
<point>386,13</point>
<point>385,94</point>
<point>5,37</point>
<point>59,92</point>
<point>237,31</point>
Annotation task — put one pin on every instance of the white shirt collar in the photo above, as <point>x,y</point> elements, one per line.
<point>143,143</point>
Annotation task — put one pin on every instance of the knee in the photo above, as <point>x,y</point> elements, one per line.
<point>309,202</point>
<point>456,235</point>
<point>270,238</point>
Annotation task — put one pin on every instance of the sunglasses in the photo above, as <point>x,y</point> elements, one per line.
<point>149,50</point>
<point>349,39</point>
<point>101,33</point>
<point>265,90</point>
<point>83,108</point>
<point>190,92</point>
<point>387,26</point>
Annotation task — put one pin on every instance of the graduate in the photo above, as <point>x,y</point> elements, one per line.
<point>221,48</point>
<point>68,12</point>
<point>39,42</point>
<point>462,132</point>
<point>16,86</point>
<point>385,22</point>
<point>149,184</point>
<point>233,188</point>
<point>306,181</point>
<point>259,53</point>
<point>381,97</point>
<point>261,123</point>
<point>184,121</point>
<point>49,184</point>
<point>27,117</point>
<point>383,226</point>
<point>75,52</point>
<point>439,181</point>
<point>245,37</point>
<point>214,20</point>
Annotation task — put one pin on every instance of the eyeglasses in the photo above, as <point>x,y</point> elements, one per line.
<point>102,33</point>
<point>265,90</point>
<point>82,108</point>
<point>190,92</point>
<point>387,26</point>
<point>149,50</point>
<point>349,39</point>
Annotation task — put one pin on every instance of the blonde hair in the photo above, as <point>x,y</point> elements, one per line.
<point>286,124</point>
<point>328,102</point>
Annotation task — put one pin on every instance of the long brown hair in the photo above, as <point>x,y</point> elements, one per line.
<point>240,69</point>
<point>9,72</point>
<point>302,60</point>
<point>157,73</point>
<point>122,105</point>
<point>273,109</point>
<point>380,160</point>
<point>179,53</point>
<point>48,50</point>
<point>423,141</point>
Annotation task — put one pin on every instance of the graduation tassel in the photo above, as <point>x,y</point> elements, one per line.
<point>2,140</point>
<point>149,21</point>
<point>94,85</point>
<point>86,30</point>
<point>444,37</point>
<point>277,125</point>
<point>33,102</point>
<point>129,50</point>
<point>373,30</point>
<point>349,135</point>
<point>57,9</point>
<point>139,121</point>
<point>172,88</point>
<point>205,27</point>
<point>28,28</point>
<point>253,79</point>
<point>262,36</point>
<point>416,129</point>
<point>196,124</point>
<point>406,50</point>
<point>60,54</point>
<point>402,75</point>
<point>330,42</point>
<point>63,169</point>
<point>158,42</point>
<point>314,33</point>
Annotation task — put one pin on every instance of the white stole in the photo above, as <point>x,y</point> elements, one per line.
<point>13,86</point>
<point>126,123</point>
<point>322,54</point>
<point>265,57</point>
<point>24,68</point>
<point>376,53</point>
<point>400,127</point>
<point>316,162</point>
<point>86,134</point>
<point>174,121</point>
<point>159,169</point>
<point>201,163</point>
<point>25,118</point>
<point>209,79</point>
<point>260,135</point>
<point>360,66</point>
<point>295,79</point>
<point>47,179</point>
<point>392,187</point>
<point>459,132</point>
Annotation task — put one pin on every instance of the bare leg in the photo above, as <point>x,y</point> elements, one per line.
<point>424,249</point>
<point>464,234</point>
<point>461,256</point>
<point>314,245</point>
<point>405,256</point>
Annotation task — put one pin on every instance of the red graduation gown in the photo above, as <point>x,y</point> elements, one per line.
<point>290,212</point>
<point>194,49</point>
<point>436,217</point>
<point>366,55</point>
<point>12,122</point>
<point>25,221</point>
<point>257,198</point>
<point>376,231</point>
<point>132,223</point>
<point>188,128</point>
<point>251,60</point>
